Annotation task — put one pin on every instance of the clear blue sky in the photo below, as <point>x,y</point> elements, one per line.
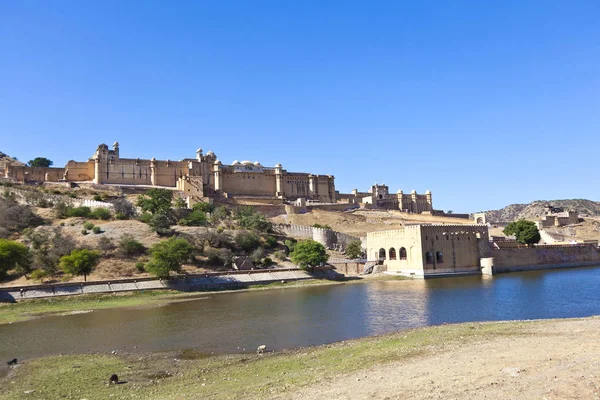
<point>485,103</point>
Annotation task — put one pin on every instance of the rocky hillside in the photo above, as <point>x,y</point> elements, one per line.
<point>7,158</point>
<point>585,208</point>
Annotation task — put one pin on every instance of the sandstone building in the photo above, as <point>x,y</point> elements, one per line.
<point>380,197</point>
<point>430,250</point>
<point>203,176</point>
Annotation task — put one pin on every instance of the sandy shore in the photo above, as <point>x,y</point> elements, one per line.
<point>556,360</point>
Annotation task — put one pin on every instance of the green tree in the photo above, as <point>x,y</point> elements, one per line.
<point>80,262</point>
<point>525,231</point>
<point>203,206</point>
<point>248,218</point>
<point>40,162</point>
<point>13,255</point>
<point>247,241</point>
<point>156,201</point>
<point>308,254</point>
<point>354,249</point>
<point>168,255</point>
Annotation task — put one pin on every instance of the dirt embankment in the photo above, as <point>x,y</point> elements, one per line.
<point>556,360</point>
<point>358,223</point>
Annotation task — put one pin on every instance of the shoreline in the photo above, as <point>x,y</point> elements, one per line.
<point>464,360</point>
<point>28,309</point>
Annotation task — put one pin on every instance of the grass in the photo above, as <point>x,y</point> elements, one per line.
<point>193,375</point>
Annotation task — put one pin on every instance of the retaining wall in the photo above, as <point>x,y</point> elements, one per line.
<point>188,283</point>
<point>544,257</point>
<point>327,237</point>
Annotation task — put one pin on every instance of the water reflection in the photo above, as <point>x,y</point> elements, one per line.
<point>294,317</point>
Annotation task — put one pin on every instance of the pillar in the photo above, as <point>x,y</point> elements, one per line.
<point>153,171</point>
<point>218,176</point>
<point>279,192</point>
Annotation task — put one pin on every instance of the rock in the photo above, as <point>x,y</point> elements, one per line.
<point>512,371</point>
<point>29,391</point>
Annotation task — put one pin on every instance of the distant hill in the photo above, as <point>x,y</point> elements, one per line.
<point>585,208</point>
<point>6,158</point>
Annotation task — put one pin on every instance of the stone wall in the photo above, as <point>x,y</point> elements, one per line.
<point>210,281</point>
<point>554,256</point>
<point>24,196</point>
<point>329,238</point>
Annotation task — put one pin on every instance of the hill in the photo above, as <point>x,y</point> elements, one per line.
<point>535,209</point>
<point>5,158</point>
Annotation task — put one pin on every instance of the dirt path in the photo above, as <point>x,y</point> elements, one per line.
<point>559,360</point>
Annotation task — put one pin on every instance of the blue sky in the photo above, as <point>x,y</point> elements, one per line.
<point>484,103</point>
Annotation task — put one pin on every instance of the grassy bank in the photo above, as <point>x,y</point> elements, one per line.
<point>193,375</point>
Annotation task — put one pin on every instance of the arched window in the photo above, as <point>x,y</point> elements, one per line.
<point>381,254</point>
<point>429,258</point>
<point>392,253</point>
<point>439,257</point>
<point>402,253</point>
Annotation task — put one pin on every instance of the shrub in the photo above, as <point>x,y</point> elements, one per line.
<point>267,261</point>
<point>257,255</point>
<point>216,239</point>
<point>97,230</point>
<point>80,262</point>
<point>47,249</point>
<point>140,266</point>
<point>250,219</point>
<point>101,213</point>
<point>39,275</point>
<point>280,255</point>
<point>120,216</point>
<point>124,207</point>
<point>156,201</point>
<point>180,203</point>
<point>321,226</point>
<point>270,241</point>
<point>167,256</point>
<point>203,207</point>
<point>161,224</point>
<point>219,214</point>
<point>354,249</point>
<point>247,241</point>
<point>88,225</point>
<point>195,218</point>
<point>62,224</point>
<point>220,229</point>
<point>290,244</point>
<point>72,195</point>
<point>129,247</point>
<point>84,212</point>
<point>97,197</point>
<point>15,217</point>
<point>307,254</point>
<point>145,218</point>
<point>84,232</point>
<point>222,257</point>
<point>13,255</point>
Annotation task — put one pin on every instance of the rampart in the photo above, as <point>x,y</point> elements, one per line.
<point>327,237</point>
<point>32,197</point>
<point>544,257</point>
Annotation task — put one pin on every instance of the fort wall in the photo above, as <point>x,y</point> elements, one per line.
<point>542,257</point>
<point>327,237</point>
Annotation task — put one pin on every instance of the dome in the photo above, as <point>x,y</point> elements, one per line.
<point>246,162</point>
<point>413,192</point>
<point>277,165</point>
<point>428,192</point>
<point>236,162</point>
<point>217,162</point>
<point>257,163</point>
<point>399,191</point>
<point>210,153</point>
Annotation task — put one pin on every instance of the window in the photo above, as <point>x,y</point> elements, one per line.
<point>381,254</point>
<point>392,253</point>
<point>402,253</point>
<point>439,257</point>
<point>429,258</point>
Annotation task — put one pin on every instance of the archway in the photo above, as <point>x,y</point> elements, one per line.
<point>403,253</point>
<point>381,254</point>
<point>392,253</point>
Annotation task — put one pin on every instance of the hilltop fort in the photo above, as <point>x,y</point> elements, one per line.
<point>205,176</point>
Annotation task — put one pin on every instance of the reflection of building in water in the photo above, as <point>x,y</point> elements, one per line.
<point>395,305</point>
<point>427,250</point>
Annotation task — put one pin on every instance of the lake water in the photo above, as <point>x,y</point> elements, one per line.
<point>304,316</point>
